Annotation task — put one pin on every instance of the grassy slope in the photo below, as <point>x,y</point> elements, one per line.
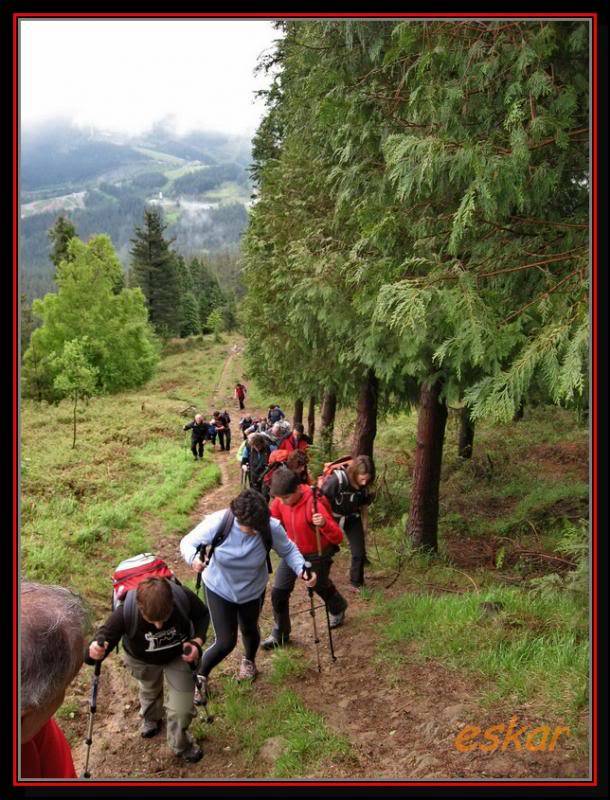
<point>524,488</point>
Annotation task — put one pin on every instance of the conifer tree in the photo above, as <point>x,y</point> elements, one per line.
<point>154,270</point>
<point>59,235</point>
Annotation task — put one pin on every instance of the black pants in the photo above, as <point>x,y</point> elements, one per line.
<point>241,403</point>
<point>197,447</point>
<point>284,584</point>
<point>354,532</point>
<point>224,437</point>
<point>226,618</point>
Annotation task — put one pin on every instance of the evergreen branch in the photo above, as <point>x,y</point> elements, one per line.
<point>540,296</point>
<point>553,224</point>
<point>557,257</point>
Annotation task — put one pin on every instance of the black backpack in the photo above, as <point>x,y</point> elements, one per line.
<point>221,534</point>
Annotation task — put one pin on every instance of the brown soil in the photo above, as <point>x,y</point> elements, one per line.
<point>401,724</point>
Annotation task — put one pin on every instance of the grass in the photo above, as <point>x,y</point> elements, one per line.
<point>85,509</point>
<point>307,743</point>
<point>533,650</point>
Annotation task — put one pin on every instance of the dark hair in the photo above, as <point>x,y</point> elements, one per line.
<point>299,427</point>
<point>296,459</point>
<point>257,441</point>
<point>250,508</point>
<point>283,482</point>
<point>155,599</point>
<point>361,465</point>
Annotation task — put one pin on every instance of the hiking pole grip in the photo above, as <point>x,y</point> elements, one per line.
<point>198,579</point>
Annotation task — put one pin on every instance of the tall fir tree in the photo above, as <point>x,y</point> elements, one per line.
<point>154,270</point>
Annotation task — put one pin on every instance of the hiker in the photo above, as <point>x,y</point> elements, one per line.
<point>240,394</point>
<point>244,424</point>
<point>236,576</point>
<point>298,461</point>
<point>52,631</point>
<point>222,423</point>
<point>279,432</point>
<point>211,433</point>
<point>275,414</point>
<point>256,457</point>
<point>166,641</point>
<point>259,425</point>
<point>347,491</point>
<point>200,431</point>
<point>293,505</point>
<point>296,440</point>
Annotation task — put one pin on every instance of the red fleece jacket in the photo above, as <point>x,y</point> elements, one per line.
<point>47,755</point>
<point>290,443</point>
<point>296,520</point>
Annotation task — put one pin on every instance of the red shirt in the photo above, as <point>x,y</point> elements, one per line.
<point>47,755</point>
<point>290,443</point>
<point>296,520</point>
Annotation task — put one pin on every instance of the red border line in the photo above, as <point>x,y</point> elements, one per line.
<point>593,16</point>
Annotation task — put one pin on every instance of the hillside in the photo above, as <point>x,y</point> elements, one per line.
<point>103,184</point>
<point>495,627</point>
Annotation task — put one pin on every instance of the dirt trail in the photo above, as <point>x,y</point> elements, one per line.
<point>399,728</point>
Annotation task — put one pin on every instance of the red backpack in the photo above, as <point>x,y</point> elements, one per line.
<point>332,466</point>
<point>130,573</point>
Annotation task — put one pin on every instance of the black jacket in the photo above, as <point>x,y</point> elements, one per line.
<point>343,498</point>
<point>200,431</point>
<point>157,646</point>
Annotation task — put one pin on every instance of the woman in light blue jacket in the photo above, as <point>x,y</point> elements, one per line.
<point>236,574</point>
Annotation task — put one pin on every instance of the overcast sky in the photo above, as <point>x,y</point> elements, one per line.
<point>126,74</point>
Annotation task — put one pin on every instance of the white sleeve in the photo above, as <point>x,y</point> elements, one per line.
<point>203,533</point>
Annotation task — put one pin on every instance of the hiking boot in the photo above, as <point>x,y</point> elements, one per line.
<point>200,697</point>
<point>247,670</point>
<point>150,728</point>
<point>192,754</point>
<point>271,643</point>
<point>335,620</point>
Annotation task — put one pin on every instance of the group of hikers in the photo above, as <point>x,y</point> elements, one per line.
<point>163,626</point>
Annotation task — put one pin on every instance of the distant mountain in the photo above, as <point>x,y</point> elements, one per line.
<point>102,182</point>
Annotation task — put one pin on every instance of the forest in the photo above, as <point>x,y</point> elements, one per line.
<point>409,291</point>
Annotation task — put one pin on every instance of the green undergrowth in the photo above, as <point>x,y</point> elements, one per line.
<point>251,719</point>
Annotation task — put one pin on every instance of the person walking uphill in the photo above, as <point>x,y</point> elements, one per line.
<point>293,506</point>
<point>222,422</point>
<point>240,394</point>
<point>237,573</point>
<point>348,493</point>
<point>167,639</point>
<point>200,431</point>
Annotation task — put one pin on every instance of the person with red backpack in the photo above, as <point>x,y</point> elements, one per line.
<point>235,571</point>
<point>346,485</point>
<point>294,505</point>
<point>162,626</point>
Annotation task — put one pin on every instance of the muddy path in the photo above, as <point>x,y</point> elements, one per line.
<point>400,727</point>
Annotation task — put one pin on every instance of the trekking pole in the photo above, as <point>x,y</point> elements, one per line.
<point>319,546</point>
<point>92,707</point>
<point>312,612</point>
<point>198,578</point>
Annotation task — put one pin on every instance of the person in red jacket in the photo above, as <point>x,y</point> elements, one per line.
<point>52,629</point>
<point>297,440</point>
<point>293,506</point>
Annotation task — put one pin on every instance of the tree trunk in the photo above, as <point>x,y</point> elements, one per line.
<point>519,412</point>
<point>297,417</point>
<point>366,416</point>
<point>311,417</point>
<point>74,437</point>
<point>327,415</point>
<point>466,433</point>
<point>423,517</point>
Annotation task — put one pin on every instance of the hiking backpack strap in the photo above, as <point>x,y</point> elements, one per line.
<point>181,602</point>
<point>226,523</point>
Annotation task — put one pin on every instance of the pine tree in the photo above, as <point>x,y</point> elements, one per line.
<point>154,270</point>
<point>59,235</point>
